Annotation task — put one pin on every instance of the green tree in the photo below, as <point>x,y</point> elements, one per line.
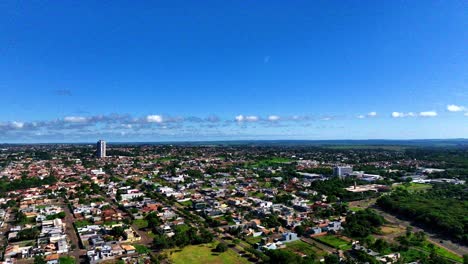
<point>39,260</point>
<point>221,247</point>
<point>332,259</point>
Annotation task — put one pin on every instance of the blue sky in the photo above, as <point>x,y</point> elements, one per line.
<point>76,71</point>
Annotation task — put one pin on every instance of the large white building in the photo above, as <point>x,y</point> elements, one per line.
<point>101,149</point>
<point>342,171</point>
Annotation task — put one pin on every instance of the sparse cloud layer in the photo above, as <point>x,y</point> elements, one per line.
<point>79,126</point>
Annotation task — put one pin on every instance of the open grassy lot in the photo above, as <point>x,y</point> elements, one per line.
<point>413,187</point>
<point>441,252</point>
<point>356,209</point>
<point>186,203</point>
<point>270,161</point>
<point>202,254</point>
<point>335,242</point>
<point>300,247</point>
<point>253,240</point>
<point>140,223</point>
<point>67,260</point>
<point>389,229</point>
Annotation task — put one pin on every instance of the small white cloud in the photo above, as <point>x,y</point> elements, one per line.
<point>327,118</point>
<point>251,118</point>
<point>466,114</point>
<point>239,118</point>
<point>75,119</point>
<point>16,124</point>
<point>370,114</point>
<point>273,118</point>
<point>154,119</point>
<point>455,108</point>
<point>401,114</point>
<point>428,114</point>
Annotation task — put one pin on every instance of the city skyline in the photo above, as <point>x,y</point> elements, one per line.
<point>77,72</point>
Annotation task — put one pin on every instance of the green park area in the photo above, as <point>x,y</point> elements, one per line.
<point>271,161</point>
<point>204,254</point>
<point>413,187</point>
<point>335,242</point>
<point>428,247</point>
<point>302,248</point>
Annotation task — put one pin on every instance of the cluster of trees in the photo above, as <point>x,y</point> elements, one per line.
<point>60,215</point>
<point>444,211</point>
<point>25,183</point>
<point>334,187</point>
<point>184,235</point>
<point>27,234</point>
<point>363,223</point>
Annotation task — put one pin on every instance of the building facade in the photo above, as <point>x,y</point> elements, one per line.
<point>342,171</point>
<point>101,149</point>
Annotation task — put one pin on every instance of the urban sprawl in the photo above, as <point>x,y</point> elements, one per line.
<point>228,203</point>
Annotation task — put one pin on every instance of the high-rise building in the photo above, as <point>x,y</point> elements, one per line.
<point>342,171</point>
<point>101,149</point>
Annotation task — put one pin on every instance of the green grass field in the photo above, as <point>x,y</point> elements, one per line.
<point>202,254</point>
<point>186,203</point>
<point>441,252</point>
<point>67,260</point>
<point>271,161</point>
<point>304,248</point>
<point>335,242</point>
<point>140,223</point>
<point>413,187</point>
<point>253,240</point>
<point>356,209</point>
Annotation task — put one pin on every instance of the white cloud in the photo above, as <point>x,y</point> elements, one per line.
<point>466,114</point>
<point>401,114</point>
<point>273,118</point>
<point>370,114</point>
<point>239,118</point>
<point>16,124</point>
<point>154,119</point>
<point>428,114</point>
<point>75,119</point>
<point>251,118</point>
<point>455,108</point>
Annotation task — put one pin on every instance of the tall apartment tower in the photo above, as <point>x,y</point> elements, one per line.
<point>101,149</point>
<point>342,171</point>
